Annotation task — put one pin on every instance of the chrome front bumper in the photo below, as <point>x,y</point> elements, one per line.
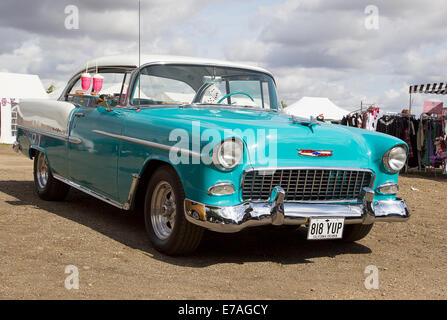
<point>277,212</point>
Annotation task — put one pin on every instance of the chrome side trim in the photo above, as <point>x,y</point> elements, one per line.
<point>149,143</point>
<point>94,194</point>
<point>74,140</point>
<point>57,136</point>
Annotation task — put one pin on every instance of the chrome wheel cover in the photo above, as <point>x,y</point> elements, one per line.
<point>42,171</point>
<point>163,210</point>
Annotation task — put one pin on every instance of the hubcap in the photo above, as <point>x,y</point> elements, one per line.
<point>163,210</point>
<point>42,171</point>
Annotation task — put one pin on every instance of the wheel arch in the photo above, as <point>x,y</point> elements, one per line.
<point>149,168</point>
<point>34,149</point>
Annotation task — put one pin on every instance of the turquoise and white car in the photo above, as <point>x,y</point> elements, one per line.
<point>203,144</point>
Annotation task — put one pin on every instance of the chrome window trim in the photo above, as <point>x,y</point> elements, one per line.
<point>149,143</point>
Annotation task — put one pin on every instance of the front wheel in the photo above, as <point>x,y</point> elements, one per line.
<point>355,232</point>
<point>164,217</point>
<point>46,186</point>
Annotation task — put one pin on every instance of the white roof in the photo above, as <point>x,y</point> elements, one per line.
<point>314,106</point>
<point>21,86</point>
<point>133,61</point>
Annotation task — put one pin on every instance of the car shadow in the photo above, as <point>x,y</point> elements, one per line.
<point>275,244</point>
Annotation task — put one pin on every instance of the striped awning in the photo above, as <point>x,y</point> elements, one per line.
<point>431,88</point>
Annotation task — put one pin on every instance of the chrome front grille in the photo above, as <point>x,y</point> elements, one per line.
<point>306,184</point>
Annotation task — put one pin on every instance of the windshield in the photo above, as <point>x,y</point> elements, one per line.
<point>187,84</point>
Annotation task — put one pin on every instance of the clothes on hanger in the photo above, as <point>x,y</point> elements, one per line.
<point>405,127</point>
<point>366,119</point>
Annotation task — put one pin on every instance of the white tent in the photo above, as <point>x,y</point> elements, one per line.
<point>313,106</point>
<point>13,87</point>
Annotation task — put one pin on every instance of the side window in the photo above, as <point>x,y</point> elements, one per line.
<point>115,85</point>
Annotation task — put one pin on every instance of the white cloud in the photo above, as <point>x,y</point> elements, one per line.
<point>313,47</point>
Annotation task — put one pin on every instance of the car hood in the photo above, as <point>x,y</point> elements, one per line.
<point>350,147</point>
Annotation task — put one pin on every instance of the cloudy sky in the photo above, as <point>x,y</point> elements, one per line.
<point>337,49</point>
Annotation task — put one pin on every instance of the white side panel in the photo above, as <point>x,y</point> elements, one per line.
<point>44,115</point>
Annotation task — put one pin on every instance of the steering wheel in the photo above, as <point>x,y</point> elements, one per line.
<point>233,93</point>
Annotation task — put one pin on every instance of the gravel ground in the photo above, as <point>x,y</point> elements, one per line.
<point>39,239</point>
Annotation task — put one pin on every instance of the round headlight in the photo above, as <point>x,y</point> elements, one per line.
<point>395,158</point>
<point>228,154</point>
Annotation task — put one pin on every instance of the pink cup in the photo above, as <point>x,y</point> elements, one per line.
<point>97,82</point>
<point>86,80</point>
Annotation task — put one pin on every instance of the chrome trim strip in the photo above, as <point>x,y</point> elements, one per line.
<point>50,134</point>
<point>149,143</point>
<point>94,194</point>
<point>74,140</point>
<point>57,136</point>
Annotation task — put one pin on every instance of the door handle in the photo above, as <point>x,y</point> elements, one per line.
<point>79,115</point>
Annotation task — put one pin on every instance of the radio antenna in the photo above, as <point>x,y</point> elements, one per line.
<point>139,53</point>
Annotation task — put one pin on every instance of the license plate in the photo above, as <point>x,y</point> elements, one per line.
<point>325,228</point>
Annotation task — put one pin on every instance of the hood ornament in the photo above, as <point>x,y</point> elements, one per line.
<point>307,123</point>
<point>315,153</point>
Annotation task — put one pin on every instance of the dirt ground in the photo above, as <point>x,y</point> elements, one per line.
<point>109,247</point>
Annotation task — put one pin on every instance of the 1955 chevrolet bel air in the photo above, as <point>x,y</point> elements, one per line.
<point>203,144</point>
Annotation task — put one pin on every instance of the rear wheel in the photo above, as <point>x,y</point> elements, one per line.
<point>355,232</point>
<point>46,186</point>
<point>166,225</point>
